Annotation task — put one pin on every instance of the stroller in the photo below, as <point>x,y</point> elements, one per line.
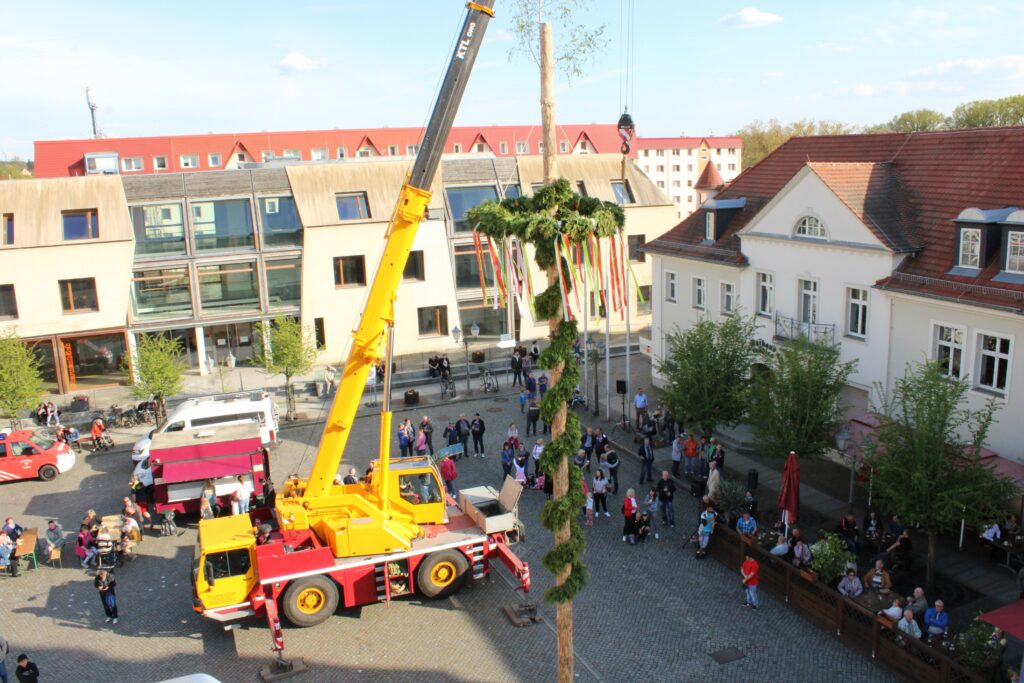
<point>107,556</point>
<point>167,525</point>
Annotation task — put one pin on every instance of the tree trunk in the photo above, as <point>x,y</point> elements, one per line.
<point>929,577</point>
<point>547,104</point>
<point>289,392</point>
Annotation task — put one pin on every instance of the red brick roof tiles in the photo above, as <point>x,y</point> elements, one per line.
<point>710,178</point>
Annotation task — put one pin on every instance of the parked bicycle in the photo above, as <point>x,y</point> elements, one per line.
<point>578,400</point>
<point>490,382</point>
<point>447,386</point>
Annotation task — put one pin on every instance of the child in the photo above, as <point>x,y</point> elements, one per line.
<point>590,509</point>
<point>524,396</point>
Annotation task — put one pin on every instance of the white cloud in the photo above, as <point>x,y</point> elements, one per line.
<point>865,90</point>
<point>1009,65</point>
<point>297,61</point>
<point>750,17</point>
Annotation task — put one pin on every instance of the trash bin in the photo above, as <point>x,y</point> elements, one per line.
<point>412,397</point>
<point>478,357</point>
<point>751,480</point>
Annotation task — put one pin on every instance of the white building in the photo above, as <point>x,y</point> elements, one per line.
<point>896,247</point>
<point>675,164</point>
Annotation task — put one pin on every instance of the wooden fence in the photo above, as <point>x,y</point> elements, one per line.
<point>854,625</point>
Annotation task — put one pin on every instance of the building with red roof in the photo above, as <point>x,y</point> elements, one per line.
<point>677,165</point>
<point>897,247</point>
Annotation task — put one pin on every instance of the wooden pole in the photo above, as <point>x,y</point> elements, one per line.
<point>547,103</point>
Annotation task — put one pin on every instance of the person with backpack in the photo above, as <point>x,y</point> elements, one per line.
<point>532,415</point>
<point>613,470</point>
<point>462,424</point>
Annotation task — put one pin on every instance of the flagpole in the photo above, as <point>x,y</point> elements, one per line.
<point>606,262</point>
<point>586,328</point>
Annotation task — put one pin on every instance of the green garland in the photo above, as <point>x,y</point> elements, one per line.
<point>555,210</point>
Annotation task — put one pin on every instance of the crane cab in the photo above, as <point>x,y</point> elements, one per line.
<point>223,566</point>
<point>414,488</point>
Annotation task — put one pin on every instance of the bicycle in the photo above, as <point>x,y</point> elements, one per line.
<point>490,382</point>
<point>578,400</point>
<point>447,386</point>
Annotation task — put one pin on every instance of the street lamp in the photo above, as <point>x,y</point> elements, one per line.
<point>843,443</point>
<point>457,335</point>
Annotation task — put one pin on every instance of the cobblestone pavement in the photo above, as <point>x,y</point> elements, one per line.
<point>650,612</point>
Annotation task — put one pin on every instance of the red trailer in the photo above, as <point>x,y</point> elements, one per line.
<point>180,463</point>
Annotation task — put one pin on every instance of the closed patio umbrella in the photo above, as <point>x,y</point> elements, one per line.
<point>789,491</point>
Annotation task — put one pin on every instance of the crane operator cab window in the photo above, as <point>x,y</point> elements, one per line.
<point>419,489</point>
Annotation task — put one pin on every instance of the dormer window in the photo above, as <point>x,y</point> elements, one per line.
<point>1015,252</point>
<point>709,226</point>
<point>809,226</point>
<point>970,248</point>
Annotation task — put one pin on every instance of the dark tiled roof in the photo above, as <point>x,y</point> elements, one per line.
<point>929,179</point>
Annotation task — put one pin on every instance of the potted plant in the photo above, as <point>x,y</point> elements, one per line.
<point>975,648</point>
<point>829,557</point>
<point>730,497</point>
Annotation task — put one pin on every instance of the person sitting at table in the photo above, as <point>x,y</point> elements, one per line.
<point>801,554</point>
<point>104,543</point>
<point>908,626</point>
<point>795,535</point>
<point>85,546</point>
<point>7,557</point>
<point>131,534</point>
<point>746,524</point>
<point>917,603</point>
<point>53,537</point>
<point>877,577</point>
<point>899,552</point>
<point>895,610</point>
<point>992,532</point>
<point>850,585</point>
<point>936,621</point>
<point>895,526</point>
<point>1011,526</point>
<point>781,548</point>
<point>848,530</point>
<point>13,530</point>
<point>872,525</point>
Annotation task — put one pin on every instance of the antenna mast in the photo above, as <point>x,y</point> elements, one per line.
<point>96,132</point>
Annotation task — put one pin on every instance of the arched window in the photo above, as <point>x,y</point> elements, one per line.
<point>809,226</point>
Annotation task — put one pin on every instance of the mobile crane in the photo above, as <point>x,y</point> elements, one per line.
<point>395,534</point>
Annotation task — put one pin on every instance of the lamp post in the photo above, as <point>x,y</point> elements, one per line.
<point>843,443</point>
<point>458,335</point>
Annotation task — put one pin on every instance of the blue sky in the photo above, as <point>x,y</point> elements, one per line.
<point>700,68</point>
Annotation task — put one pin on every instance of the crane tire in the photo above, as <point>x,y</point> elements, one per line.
<point>309,601</point>
<point>442,573</point>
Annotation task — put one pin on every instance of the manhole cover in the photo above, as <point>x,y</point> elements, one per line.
<point>500,399</point>
<point>726,655</point>
<point>494,410</point>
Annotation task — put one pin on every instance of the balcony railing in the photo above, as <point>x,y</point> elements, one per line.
<point>791,328</point>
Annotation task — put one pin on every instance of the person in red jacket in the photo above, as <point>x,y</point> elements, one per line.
<point>448,474</point>
<point>630,509</point>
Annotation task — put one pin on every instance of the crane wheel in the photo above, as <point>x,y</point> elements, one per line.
<point>310,600</point>
<point>442,573</point>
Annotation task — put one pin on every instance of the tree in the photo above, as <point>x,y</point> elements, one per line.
<point>707,370</point>
<point>794,403</point>
<point>1007,111</point>
<point>564,561</point>
<point>923,470</point>
<point>292,352</point>
<point>761,139</point>
<point>915,121</point>
<point>160,368</point>
<point>21,381</point>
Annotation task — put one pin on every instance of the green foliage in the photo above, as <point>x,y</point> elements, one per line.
<point>923,470</point>
<point>911,122</point>
<point>1006,111</point>
<point>292,352</point>
<point>707,370</point>
<point>21,381</point>
<point>577,46</point>
<point>829,557</point>
<point>730,497</point>
<point>794,404</point>
<point>975,649</point>
<point>159,367</point>
<point>761,139</point>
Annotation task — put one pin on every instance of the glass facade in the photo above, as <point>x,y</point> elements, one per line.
<point>229,287</point>
<point>43,351</point>
<point>222,224</point>
<point>467,268</point>
<point>161,293</point>
<point>234,338</point>
<point>352,207</point>
<point>462,199</point>
<point>159,230</point>
<point>78,295</point>
<point>280,221</point>
<point>95,360</point>
<point>492,321</point>
<point>284,282</point>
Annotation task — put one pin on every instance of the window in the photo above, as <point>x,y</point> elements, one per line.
<point>222,224</point>
<point>319,334</point>
<point>284,282</point>
<point>661,184</point>
<point>457,148</point>
<point>765,293</point>
<point>809,226</point>
<point>291,154</point>
<point>970,247</point>
<point>675,183</point>
<point>7,235</point>
<point>433,321</point>
<point>689,153</point>
<point>364,152</point>
<point>318,154</point>
<point>581,188</point>
<point>189,161</point>
<point>392,150</point>
<point>596,305</point>
<point>491,321</point>
<point>226,564</point>
<point>732,167</point>
<point>521,148</point>
<point>129,164</point>
<point>584,147</point>
<point>462,199</point>
<point>513,191</point>
<point>481,147</point>
<point>419,489</point>
<point>689,198</point>
<point>643,301</point>
<point>467,268</point>
<point>158,229</point>
<point>808,301</point>
<point>81,225</point>
<point>540,147</point>
<point>414,267</point>
<point>636,246</point>
<point>342,152</point>
<point>503,147</point>
<point>670,286</point>
<point>647,152</point>
<point>350,271</point>
<point>280,221</point>
<point>857,312</point>
<point>661,168</point>
<point>623,193</point>
<point>675,167</point>
<point>8,304</point>
<point>689,183</point>
<point>229,287</point>
<point>160,163</point>
<point>161,293</point>
<point>697,295</point>
<point>267,155</point>
<point>732,150</point>
<point>948,349</point>
<point>1014,252</point>
<point>213,160</point>
<point>78,295</point>
<point>718,150</point>
<point>563,146</point>
<point>709,226</point>
<point>412,150</point>
<point>352,207</point>
<point>240,157</point>
<point>676,199</point>
<point>660,153</point>
<point>993,363</point>
<point>728,295</point>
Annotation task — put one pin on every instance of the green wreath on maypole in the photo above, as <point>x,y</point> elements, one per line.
<point>555,220</point>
